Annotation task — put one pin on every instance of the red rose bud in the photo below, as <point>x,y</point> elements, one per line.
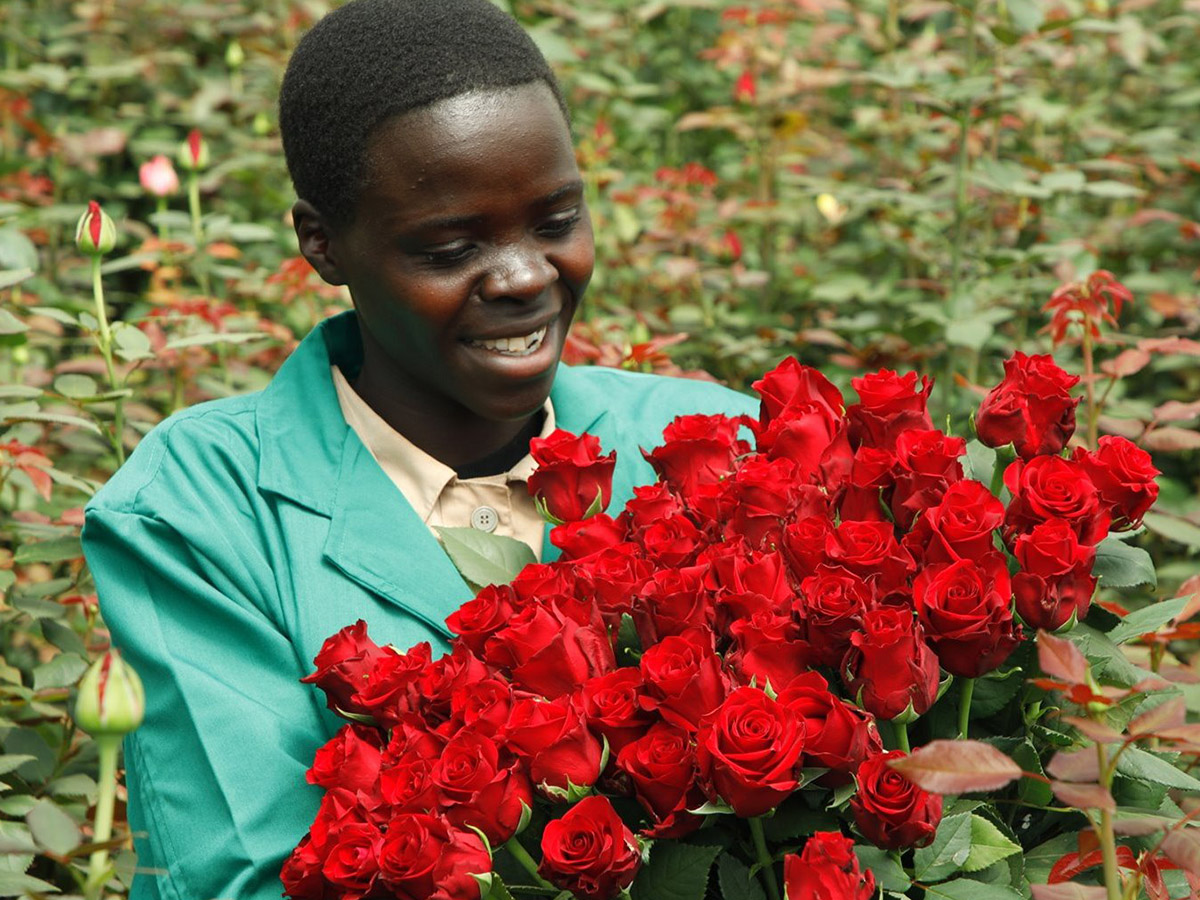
<point>1050,487</point>
<point>662,766</point>
<point>837,736</point>
<point>565,758</point>
<point>590,852</point>
<point>791,389</point>
<point>966,610</point>
<point>697,450</point>
<point>111,699</point>
<point>889,668</point>
<point>890,811</point>
<point>423,856</point>
<point>350,759</point>
<point>572,480</point>
<point>480,785</point>
<point>1124,475</point>
<point>193,152</point>
<point>889,404</point>
<point>1031,408</point>
<point>158,177</point>
<point>344,665</point>
<point>748,752</point>
<point>95,234</point>
<point>1055,581</point>
<point>826,870</point>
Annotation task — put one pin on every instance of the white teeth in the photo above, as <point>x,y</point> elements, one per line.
<point>514,346</point>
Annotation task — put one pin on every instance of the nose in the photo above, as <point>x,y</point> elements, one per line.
<point>519,271</point>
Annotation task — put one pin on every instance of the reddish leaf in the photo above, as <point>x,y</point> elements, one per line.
<point>1185,734</point>
<point>1067,891</point>
<point>1097,732</point>
<point>1125,363</point>
<point>1192,607</point>
<point>1174,411</point>
<point>1182,847</point>
<point>957,767</point>
<point>1071,864</point>
<point>1171,438</point>
<point>1062,659</point>
<point>1084,796</point>
<point>1075,765</point>
<point>1165,715</point>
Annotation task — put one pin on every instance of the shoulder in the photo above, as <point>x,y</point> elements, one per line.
<point>652,396</point>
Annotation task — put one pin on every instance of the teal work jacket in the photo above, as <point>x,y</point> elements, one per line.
<point>243,532</point>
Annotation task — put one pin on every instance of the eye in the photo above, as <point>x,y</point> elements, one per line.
<point>560,225</point>
<point>447,255</point>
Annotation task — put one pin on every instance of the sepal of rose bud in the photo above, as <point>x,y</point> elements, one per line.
<point>111,698</point>
<point>95,234</point>
<point>193,152</point>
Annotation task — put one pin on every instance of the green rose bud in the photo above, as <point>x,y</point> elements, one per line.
<point>234,55</point>
<point>111,698</point>
<point>193,152</point>
<point>95,234</point>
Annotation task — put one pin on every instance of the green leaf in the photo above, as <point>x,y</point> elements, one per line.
<point>483,558</point>
<point>18,884</point>
<point>15,838</point>
<point>492,887</point>
<point>17,805</point>
<point>7,280</point>
<point>889,874</point>
<point>60,672</point>
<point>215,337</point>
<point>1146,766</point>
<point>55,550</point>
<point>10,761</point>
<point>1173,527</point>
<point>972,333</point>
<point>52,828</point>
<point>1147,619</point>
<point>75,386</point>
<point>988,845</point>
<point>737,882</point>
<point>950,848</point>
<point>1113,190</point>
<point>675,872</point>
<point>131,342</point>
<point>63,637</point>
<point>969,889</point>
<point>1120,566</point>
<point>56,419</point>
<point>980,462</point>
<point>74,787</point>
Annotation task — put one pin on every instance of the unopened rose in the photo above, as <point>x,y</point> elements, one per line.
<point>889,404</point>
<point>891,811</point>
<point>350,759</point>
<point>927,462</point>
<point>697,450</point>
<point>1124,474</point>
<point>344,664</point>
<point>1055,580</point>
<point>1031,408</point>
<point>792,388</point>
<point>589,851</point>
<point>826,870</point>
<point>583,539</point>
<point>572,479</point>
<point>889,667</point>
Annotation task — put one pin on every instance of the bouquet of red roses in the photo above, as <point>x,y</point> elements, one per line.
<point>706,684</point>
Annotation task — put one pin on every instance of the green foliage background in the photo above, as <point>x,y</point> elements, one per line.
<point>864,184</point>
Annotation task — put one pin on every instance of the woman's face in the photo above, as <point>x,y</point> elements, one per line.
<point>469,252</point>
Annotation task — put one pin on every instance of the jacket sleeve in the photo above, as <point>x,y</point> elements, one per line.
<point>217,796</point>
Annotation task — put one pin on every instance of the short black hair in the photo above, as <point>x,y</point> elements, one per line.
<point>372,60</point>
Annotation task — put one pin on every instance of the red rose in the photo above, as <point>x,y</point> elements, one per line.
<point>423,858</point>
<point>540,580</point>
<point>1050,487</point>
<point>962,525</point>
<point>1031,408</point>
<point>747,581</point>
<point>761,495</point>
<point>549,653</point>
<point>482,616</point>
<point>484,705</point>
<point>768,650</point>
<point>830,607</point>
<point>671,541</point>
<point>353,860</point>
<point>1124,475</point>
<point>684,677</point>
<point>343,664</point>
<point>481,786</point>
<point>580,540</point>
<point>889,667</point>
<point>891,811</point>
<point>804,543</point>
<point>572,477</point>
<point>872,473</point>
<point>869,549</point>
<point>662,766</point>
<point>826,870</point>
<point>301,875</point>
<point>837,736</point>
<point>350,759</point>
<point>926,464</point>
<point>612,706</point>
<point>443,678</point>
<point>966,609</point>
<point>793,388</point>
<point>815,441</point>
<point>1056,579</point>
<point>697,450</point>
<point>612,577</point>
<point>888,405</point>
<point>589,851</point>
<point>406,776</point>
<point>649,504</point>
<point>748,752</point>
<point>552,735</point>
<point>390,689</point>
<point>670,602</point>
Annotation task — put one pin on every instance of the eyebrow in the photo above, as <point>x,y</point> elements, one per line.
<point>451,223</point>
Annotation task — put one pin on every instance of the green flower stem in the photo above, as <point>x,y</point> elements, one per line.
<point>964,706</point>
<point>901,731</point>
<point>521,855</point>
<point>197,229</point>
<point>764,858</point>
<point>1108,841</point>
<point>162,226</point>
<point>105,342</point>
<point>106,785</point>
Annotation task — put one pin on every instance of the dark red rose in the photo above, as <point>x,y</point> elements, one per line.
<point>670,602</point>
<point>791,388</point>
<point>549,653</point>
<point>889,667</point>
<point>580,540</point>
<point>672,541</point>
<point>815,442</point>
<point>747,581</point>
<point>391,689</point>
<point>927,462</point>
<point>889,404</point>
<point>343,664</point>
<point>301,875</point>
<point>697,450</point>
<point>662,766</point>
<point>872,474</point>
<point>572,477</point>
<point>481,785</point>
<point>837,736</point>
<point>1031,408</point>
<point>554,738</point>
<point>684,677</point>
<point>484,705</point>
<point>891,811</point>
<point>869,549</point>
<point>762,493</point>
<point>962,525</point>
<point>804,543</point>
<point>826,870</point>
<point>445,676</point>
<point>830,607</point>
<point>406,775</point>
<point>1124,475</point>
<point>748,752</point>
<point>537,581</point>
<point>1055,581</point>
<point>1050,487</point>
<point>589,851</point>
<point>649,504</point>
<point>352,864</point>
<point>767,650</point>
<point>350,759</point>
<point>482,616</point>
<point>612,577</point>
<point>966,610</point>
<point>612,706</point>
<point>423,858</point>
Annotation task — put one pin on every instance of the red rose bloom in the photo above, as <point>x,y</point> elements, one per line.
<point>748,752</point>
<point>1031,408</point>
<point>649,504</point>
<point>804,543</point>
<point>670,602</point>
<point>662,766</point>
<point>791,389</point>
<point>352,864</point>
<point>684,677</point>
<point>580,540</point>
<point>869,549</point>
<point>697,450</point>
<point>481,785</point>
<point>872,473</point>
<point>830,607</point>
<point>350,759</point>
<point>926,464</point>
<point>1124,475</point>
<point>962,525</point>
<point>343,664</point>
<point>761,494</point>
<point>1056,579</point>
<point>966,609</point>
<point>837,736</point>
<point>672,541</point>
<point>1050,487</point>
<point>891,811</point>
<point>549,653</point>
<point>889,404</point>
<point>554,738</point>
<point>482,616</point>
<point>589,851</point>
<point>767,650</point>
<point>889,667</point>
<point>423,858</point>
<point>572,476</point>
<point>612,706</point>
<point>826,870</point>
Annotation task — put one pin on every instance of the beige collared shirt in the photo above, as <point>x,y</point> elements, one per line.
<point>499,504</point>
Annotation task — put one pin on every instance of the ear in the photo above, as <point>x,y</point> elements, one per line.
<point>316,242</point>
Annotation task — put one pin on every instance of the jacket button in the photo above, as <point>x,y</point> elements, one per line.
<point>484,518</point>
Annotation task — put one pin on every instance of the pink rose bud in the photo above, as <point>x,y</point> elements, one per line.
<point>95,234</point>
<point>158,177</point>
<point>193,152</point>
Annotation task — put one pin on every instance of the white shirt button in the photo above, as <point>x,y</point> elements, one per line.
<point>484,518</point>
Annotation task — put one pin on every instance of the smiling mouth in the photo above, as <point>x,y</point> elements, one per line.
<point>514,346</point>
